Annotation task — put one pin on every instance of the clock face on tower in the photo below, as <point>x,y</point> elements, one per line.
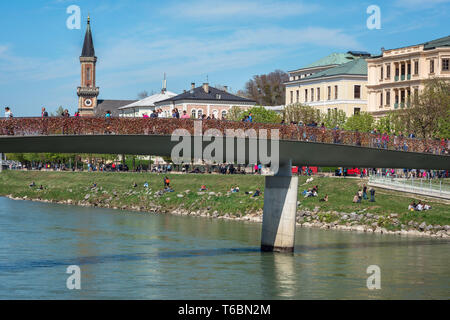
<point>88,102</point>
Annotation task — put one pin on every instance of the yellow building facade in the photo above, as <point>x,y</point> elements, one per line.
<point>398,74</point>
<point>333,86</point>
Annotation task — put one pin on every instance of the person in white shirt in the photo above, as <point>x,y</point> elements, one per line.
<point>420,206</point>
<point>8,113</point>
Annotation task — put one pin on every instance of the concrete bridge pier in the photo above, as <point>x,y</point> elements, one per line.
<point>280,208</point>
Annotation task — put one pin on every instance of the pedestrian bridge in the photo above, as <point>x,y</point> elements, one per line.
<point>300,145</point>
<point>239,142</point>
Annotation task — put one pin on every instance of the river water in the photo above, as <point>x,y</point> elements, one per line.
<point>127,255</point>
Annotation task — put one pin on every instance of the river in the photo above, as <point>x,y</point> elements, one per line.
<point>128,255</point>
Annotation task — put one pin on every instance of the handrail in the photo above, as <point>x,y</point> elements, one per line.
<point>30,126</point>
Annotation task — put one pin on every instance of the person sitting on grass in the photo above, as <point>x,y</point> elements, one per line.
<point>419,206</point>
<point>257,193</point>
<point>32,184</point>
<point>94,185</point>
<point>166,183</point>
<point>135,185</point>
<point>412,206</point>
<point>426,207</point>
<point>41,187</point>
<point>235,189</point>
<point>146,185</point>
<point>203,188</point>
<point>324,199</point>
<point>356,199</point>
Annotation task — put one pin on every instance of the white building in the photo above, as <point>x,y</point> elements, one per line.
<point>146,105</point>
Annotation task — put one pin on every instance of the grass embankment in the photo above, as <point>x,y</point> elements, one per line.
<point>116,190</point>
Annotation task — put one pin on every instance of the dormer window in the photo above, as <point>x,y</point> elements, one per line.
<point>218,96</point>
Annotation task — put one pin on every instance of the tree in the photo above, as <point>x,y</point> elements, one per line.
<point>429,114</point>
<point>261,114</point>
<point>334,118</point>
<point>267,89</point>
<point>391,124</point>
<point>362,122</point>
<point>235,114</point>
<point>142,95</point>
<point>300,113</point>
<point>58,112</point>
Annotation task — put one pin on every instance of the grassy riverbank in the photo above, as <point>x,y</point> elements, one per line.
<point>115,190</point>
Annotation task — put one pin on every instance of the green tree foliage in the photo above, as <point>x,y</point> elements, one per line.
<point>429,114</point>
<point>235,114</point>
<point>391,124</point>
<point>301,113</point>
<point>334,118</point>
<point>362,122</point>
<point>261,114</point>
<point>267,89</point>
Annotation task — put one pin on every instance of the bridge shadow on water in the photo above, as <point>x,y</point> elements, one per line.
<point>299,249</point>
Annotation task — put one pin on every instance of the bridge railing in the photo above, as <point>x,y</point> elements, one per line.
<point>166,126</point>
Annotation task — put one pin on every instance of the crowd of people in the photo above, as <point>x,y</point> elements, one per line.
<point>361,195</point>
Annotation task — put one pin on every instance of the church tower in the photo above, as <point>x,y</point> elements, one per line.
<point>87,92</point>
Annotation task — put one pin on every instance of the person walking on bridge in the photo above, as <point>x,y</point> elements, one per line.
<point>8,113</point>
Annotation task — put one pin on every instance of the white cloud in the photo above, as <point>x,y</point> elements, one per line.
<point>140,59</point>
<point>216,9</point>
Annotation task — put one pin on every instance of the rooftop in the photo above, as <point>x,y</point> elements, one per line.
<point>150,101</point>
<point>354,67</point>
<point>213,94</point>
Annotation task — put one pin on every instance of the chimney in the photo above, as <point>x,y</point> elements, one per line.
<point>206,87</point>
<point>225,88</point>
<point>193,85</point>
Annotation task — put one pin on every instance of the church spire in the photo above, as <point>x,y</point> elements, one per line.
<point>88,46</point>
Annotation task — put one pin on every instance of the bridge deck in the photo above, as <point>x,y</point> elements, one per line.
<point>303,145</point>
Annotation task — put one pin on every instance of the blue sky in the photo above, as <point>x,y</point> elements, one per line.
<point>228,41</point>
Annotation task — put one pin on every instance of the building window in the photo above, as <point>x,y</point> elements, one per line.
<point>336,95</point>
<point>431,66</point>
<point>382,73</point>
<point>403,69</point>
<point>416,67</point>
<point>381,100</point>
<point>409,68</point>
<point>199,113</point>
<point>306,95</point>
<point>329,93</point>
<point>292,97</point>
<point>388,71</point>
<point>445,64</point>
<point>194,114</point>
<point>298,96</point>
<point>357,92</point>
<point>388,98</point>
<point>88,74</point>
<point>224,114</point>
<point>318,94</point>
<point>312,94</point>
<point>356,110</point>
<point>397,71</point>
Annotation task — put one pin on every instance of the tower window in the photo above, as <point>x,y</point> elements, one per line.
<point>88,73</point>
